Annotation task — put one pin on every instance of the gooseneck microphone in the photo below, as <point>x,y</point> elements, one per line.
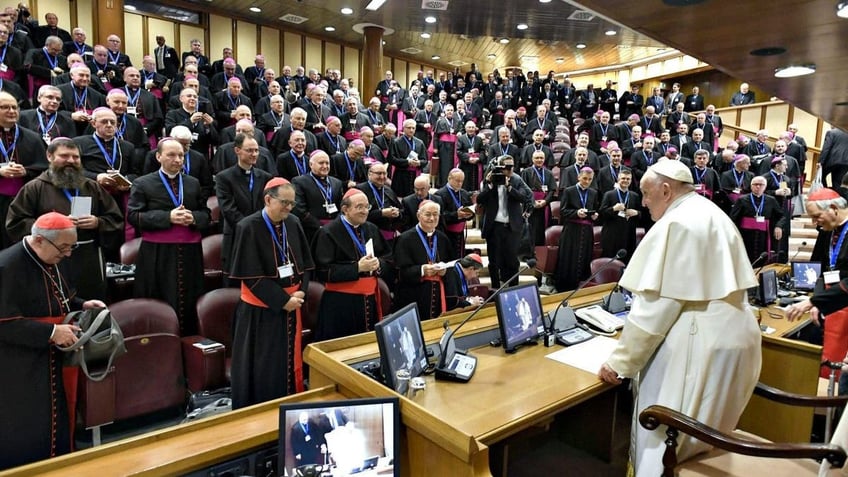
<point>803,244</point>
<point>618,256</point>
<point>456,365</point>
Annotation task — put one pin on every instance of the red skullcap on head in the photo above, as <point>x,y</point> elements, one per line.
<point>776,160</point>
<point>352,192</point>
<point>612,145</point>
<point>54,221</point>
<point>477,259</point>
<point>276,182</point>
<point>823,194</point>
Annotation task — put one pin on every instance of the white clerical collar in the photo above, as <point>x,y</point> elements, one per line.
<point>170,176</point>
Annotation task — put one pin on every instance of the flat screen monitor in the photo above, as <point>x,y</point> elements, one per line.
<point>805,275</point>
<point>519,312</point>
<point>768,287</point>
<point>357,437</point>
<point>401,343</point>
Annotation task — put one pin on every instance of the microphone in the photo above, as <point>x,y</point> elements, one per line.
<point>803,244</point>
<point>457,365</point>
<point>618,256</point>
<point>763,256</point>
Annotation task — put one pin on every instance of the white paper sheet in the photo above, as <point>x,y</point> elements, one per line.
<point>588,355</point>
<point>369,248</point>
<point>80,206</point>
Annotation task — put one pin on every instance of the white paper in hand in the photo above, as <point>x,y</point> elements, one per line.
<point>80,206</point>
<point>369,248</point>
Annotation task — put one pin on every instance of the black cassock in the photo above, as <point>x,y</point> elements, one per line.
<point>344,313</point>
<point>619,232</point>
<point>30,152</point>
<point>450,223</point>
<point>410,255</point>
<point>468,147</point>
<point>267,361</point>
<point>744,214</point>
<point>404,176</point>
<point>33,405</point>
<point>240,193</point>
<point>445,147</point>
<point>578,237</point>
<point>542,184</point>
<point>169,269</point>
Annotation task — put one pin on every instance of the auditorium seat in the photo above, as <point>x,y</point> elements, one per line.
<point>215,226</point>
<point>213,274</point>
<point>385,296</point>
<point>129,251</point>
<point>741,453</point>
<point>596,247</point>
<point>555,211</point>
<point>487,134</point>
<point>546,255</point>
<point>562,121</point>
<point>148,378</point>
<point>215,311</point>
<point>309,312</point>
<point>610,274</point>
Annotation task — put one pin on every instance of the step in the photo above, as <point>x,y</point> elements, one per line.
<point>522,280</point>
<point>484,272</point>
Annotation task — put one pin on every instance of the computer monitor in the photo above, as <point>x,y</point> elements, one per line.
<point>401,343</point>
<point>767,292</point>
<point>519,312</point>
<point>805,275</point>
<point>340,438</point>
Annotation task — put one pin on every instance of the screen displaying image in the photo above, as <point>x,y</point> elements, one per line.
<point>401,343</point>
<point>359,437</point>
<point>519,315</point>
<point>806,274</point>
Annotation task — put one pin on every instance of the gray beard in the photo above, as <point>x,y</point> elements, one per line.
<point>67,177</point>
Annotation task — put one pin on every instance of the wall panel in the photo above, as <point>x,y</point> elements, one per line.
<point>351,68</point>
<point>293,50</point>
<point>400,73</point>
<point>220,36</point>
<point>777,118</point>
<point>155,27</point>
<point>61,8</point>
<point>750,118</point>
<point>85,19</point>
<point>133,46</point>
<point>270,47</point>
<point>332,56</point>
<point>245,45</point>
<point>313,55</point>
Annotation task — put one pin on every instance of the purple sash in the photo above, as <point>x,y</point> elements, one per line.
<point>9,186</point>
<point>9,74</point>
<point>581,222</point>
<point>539,195</point>
<point>176,234</point>
<point>702,189</point>
<point>388,234</point>
<point>750,223</point>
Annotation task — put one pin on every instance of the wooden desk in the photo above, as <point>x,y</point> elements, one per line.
<point>179,449</point>
<point>450,425</point>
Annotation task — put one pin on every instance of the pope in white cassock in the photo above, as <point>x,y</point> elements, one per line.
<point>690,342</point>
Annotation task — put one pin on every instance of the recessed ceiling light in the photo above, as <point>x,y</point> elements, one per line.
<point>430,19</point>
<point>255,9</point>
<point>347,11</point>
<point>425,35</point>
<point>560,60</point>
<point>384,42</point>
<point>130,8</point>
<point>491,56</point>
<point>544,1</point>
<point>794,70</point>
<point>435,57</point>
<point>842,10</point>
<point>610,33</point>
<point>580,46</point>
<point>329,28</point>
<point>504,41</point>
<point>522,26</point>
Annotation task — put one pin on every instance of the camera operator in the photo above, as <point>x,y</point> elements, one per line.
<point>506,201</point>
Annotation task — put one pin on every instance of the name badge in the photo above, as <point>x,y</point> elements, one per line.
<point>276,128</point>
<point>308,438</point>
<point>285,271</point>
<point>544,188</point>
<point>194,137</point>
<point>831,277</point>
<point>46,139</point>
<point>700,187</point>
<point>132,110</point>
<point>622,214</point>
<point>737,191</point>
<point>471,151</point>
<point>331,208</point>
<point>3,67</point>
<point>104,79</point>
<point>112,171</point>
<point>760,219</point>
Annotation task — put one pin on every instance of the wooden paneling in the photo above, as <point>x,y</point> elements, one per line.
<point>400,74</point>
<point>332,56</point>
<point>270,47</point>
<point>220,36</point>
<point>133,46</point>
<point>751,118</point>
<point>293,50</point>
<point>245,45</point>
<point>807,124</point>
<point>188,33</point>
<point>61,8</point>
<point>314,58</point>
<point>777,118</point>
<point>351,67</point>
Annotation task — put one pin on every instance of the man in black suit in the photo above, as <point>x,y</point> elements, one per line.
<point>502,227</point>
<point>218,65</point>
<point>79,98</point>
<point>609,97</point>
<point>116,58</point>
<point>306,438</point>
<point>631,102</point>
<point>657,101</point>
<point>410,203</point>
<point>834,156</point>
<point>167,62</point>
<point>318,195</point>
<point>694,101</point>
<point>50,29</point>
<point>77,45</point>
<point>196,51</point>
<point>503,147</point>
<point>46,119</point>
<point>743,96</point>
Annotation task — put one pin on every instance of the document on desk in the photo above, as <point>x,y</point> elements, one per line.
<point>588,355</point>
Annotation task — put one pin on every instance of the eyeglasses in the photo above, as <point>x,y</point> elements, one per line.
<point>430,215</point>
<point>285,202</point>
<point>362,207</point>
<point>66,249</point>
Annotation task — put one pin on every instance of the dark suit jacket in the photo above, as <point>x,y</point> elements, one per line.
<point>694,103</point>
<point>519,199</point>
<point>237,201</point>
<point>63,127</point>
<point>834,152</point>
<point>310,202</point>
<point>169,58</point>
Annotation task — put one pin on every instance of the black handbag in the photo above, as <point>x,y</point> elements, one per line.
<point>202,399</point>
<point>99,344</point>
